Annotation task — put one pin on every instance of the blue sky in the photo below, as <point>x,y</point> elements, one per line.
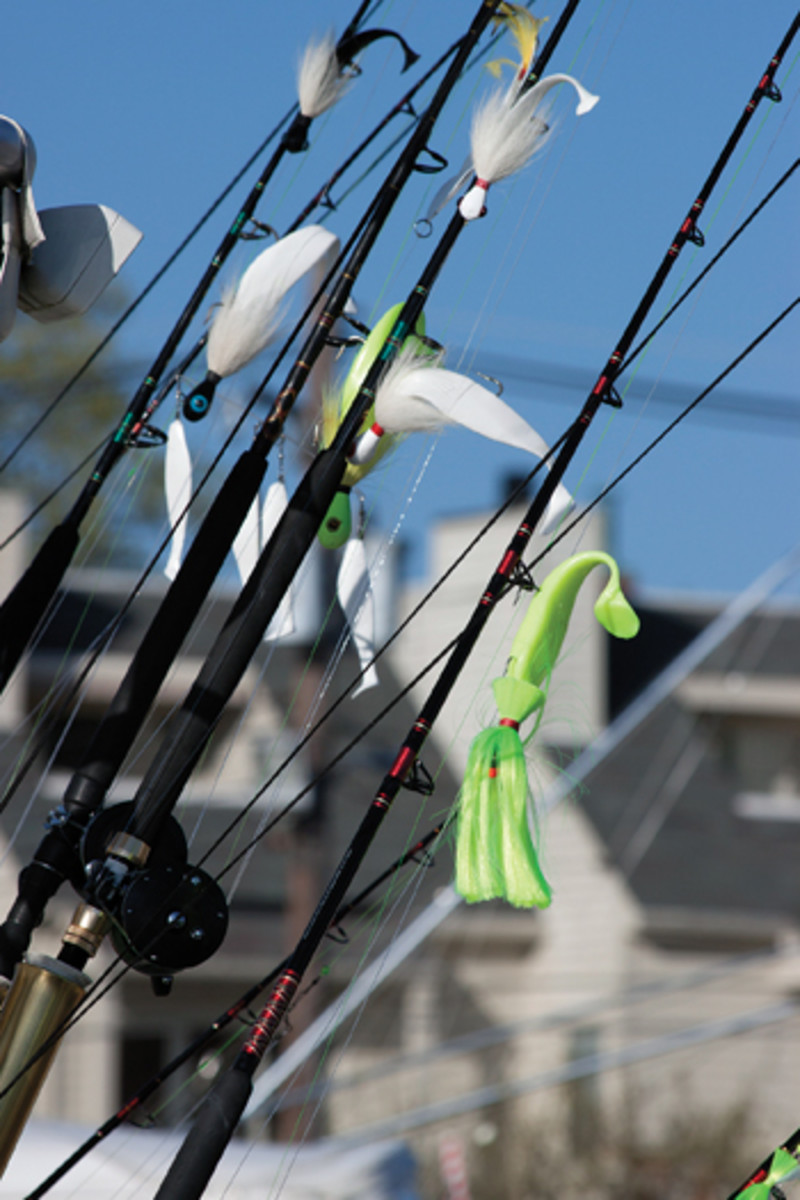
<point>152,108</point>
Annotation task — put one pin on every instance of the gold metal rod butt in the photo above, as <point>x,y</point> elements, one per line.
<point>43,994</point>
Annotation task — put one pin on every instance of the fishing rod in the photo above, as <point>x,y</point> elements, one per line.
<point>190,729</point>
<point>161,641</point>
<point>191,601</point>
<point>55,858</point>
<point>418,848</point>
<point>213,1127</point>
<point>126,848</point>
<point>321,198</point>
<point>27,603</point>
<point>415,853</point>
<point>423,842</point>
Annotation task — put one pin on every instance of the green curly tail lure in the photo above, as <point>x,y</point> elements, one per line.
<point>495,850</point>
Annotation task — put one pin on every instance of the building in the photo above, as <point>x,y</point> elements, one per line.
<point>673,857</point>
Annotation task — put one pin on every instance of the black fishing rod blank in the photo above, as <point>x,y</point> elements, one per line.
<point>220,1113</point>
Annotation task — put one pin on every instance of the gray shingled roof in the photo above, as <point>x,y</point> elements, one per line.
<point>664,800</point>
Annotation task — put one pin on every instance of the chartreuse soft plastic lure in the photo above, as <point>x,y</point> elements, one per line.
<point>337,526</point>
<point>495,846</point>
<point>783,1163</point>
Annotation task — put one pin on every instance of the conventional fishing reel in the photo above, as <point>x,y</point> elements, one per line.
<point>165,914</point>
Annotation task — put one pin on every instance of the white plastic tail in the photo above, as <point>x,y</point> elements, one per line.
<point>178,489</point>
<point>246,544</point>
<point>354,589</point>
<point>415,398</point>
<point>275,503</point>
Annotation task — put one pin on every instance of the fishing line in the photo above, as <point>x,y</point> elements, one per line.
<point>559,536</point>
<point>113,625</point>
<point>235,1011</point>
<point>671,426</point>
<point>474,541</point>
<point>723,250</point>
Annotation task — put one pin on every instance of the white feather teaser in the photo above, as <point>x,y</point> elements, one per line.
<point>275,503</point>
<point>413,398</point>
<point>178,489</point>
<point>320,83</point>
<point>506,132</point>
<point>246,545</point>
<point>354,589</point>
<point>247,318</point>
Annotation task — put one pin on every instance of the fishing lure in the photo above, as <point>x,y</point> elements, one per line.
<point>764,1183</point>
<point>246,322</point>
<point>524,28</point>
<point>247,318</point>
<point>495,849</point>
<point>415,395</point>
<point>507,130</point>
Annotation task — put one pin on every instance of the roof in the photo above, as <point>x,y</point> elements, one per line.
<point>667,800</point>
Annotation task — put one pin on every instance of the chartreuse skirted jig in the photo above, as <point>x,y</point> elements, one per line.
<point>780,1165</point>
<point>495,844</point>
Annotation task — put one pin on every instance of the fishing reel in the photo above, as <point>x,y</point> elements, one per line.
<point>166,915</point>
